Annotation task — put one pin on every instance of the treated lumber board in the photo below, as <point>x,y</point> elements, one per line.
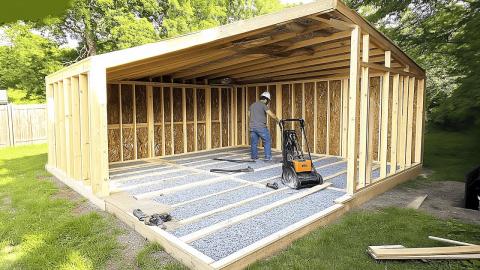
<point>231,221</point>
<point>434,257</point>
<point>68,126</point>
<point>364,166</point>
<point>394,135</point>
<point>352,172</point>
<point>410,111</point>
<point>420,122</point>
<point>76,145</point>
<point>85,128</point>
<point>384,117</point>
<point>444,240</point>
<point>417,202</point>
<point>150,122</point>
<point>344,118</point>
<point>339,24</point>
<point>383,252</point>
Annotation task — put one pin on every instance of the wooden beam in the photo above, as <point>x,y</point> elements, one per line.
<point>384,116</point>
<point>394,125</point>
<point>162,108</point>
<point>76,146</point>
<point>364,166</point>
<point>150,122</point>
<point>85,128</point>
<point>410,111</point>
<point>339,24</point>
<point>68,126</point>
<point>120,120</point>
<point>352,104</point>
<point>184,119</point>
<point>208,107</point>
<point>344,118</point>
<point>279,113</point>
<point>244,116</point>
<point>172,138</point>
<point>419,124</point>
<point>195,120</point>
<point>51,112</point>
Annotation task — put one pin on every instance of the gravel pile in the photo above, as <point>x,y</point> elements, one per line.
<point>195,192</point>
<point>225,242</point>
<point>221,200</point>
<point>163,184</point>
<point>208,221</point>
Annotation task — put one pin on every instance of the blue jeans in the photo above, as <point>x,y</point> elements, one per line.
<point>264,134</point>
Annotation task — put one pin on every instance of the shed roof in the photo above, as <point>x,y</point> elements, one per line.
<point>289,44</point>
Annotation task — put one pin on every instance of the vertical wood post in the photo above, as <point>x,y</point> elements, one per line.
<point>278,112</point>
<point>120,120</point>
<point>195,120</point>
<point>76,153</point>
<point>384,116</point>
<point>150,122</point>
<point>85,127</point>
<point>352,119</point>
<point>410,111</point>
<point>244,116</point>
<point>184,119</point>
<point>419,121</point>
<point>208,107</point>
<point>68,124</point>
<point>363,153</point>
<point>394,134</point>
<point>344,117</point>
<point>51,125</point>
<point>172,138</point>
<point>402,149</point>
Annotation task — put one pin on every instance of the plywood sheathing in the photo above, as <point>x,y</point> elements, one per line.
<point>322,107</point>
<point>334,117</point>
<point>309,96</point>
<point>375,87</point>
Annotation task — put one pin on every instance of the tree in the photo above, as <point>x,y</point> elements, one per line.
<point>27,59</point>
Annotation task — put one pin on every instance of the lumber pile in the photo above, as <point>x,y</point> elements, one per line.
<point>465,251</point>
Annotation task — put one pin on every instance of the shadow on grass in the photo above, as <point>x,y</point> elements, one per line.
<point>40,232</point>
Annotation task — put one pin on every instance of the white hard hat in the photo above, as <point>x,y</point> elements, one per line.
<point>265,94</point>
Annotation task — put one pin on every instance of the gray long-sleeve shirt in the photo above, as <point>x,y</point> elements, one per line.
<point>258,115</point>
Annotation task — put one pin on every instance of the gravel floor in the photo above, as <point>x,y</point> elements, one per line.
<point>151,178</point>
<point>198,154</point>
<point>230,165</point>
<point>203,223</point>
<point>225,242</point>
<point>196,192</point>
<point>204,159</point>
<point>165,183</point>
<point>138,172</point>
<point>221,200</point>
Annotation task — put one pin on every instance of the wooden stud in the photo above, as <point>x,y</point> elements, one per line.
<point>208,107</point>
<point>352,118</point>
<point>68,126</point>
<point>51,112</point>
<point>364,159</point>
<point>184,119</point>
<point>399,124</point>
<point>134,105</point>
<point>384,117</point>
<point>195,120</point>
<point>244,116</point>
<point>419,124</point>
<point>403,129</point>
<point>150,122</point>
<point>220,118</point>
<point>162,108</point>
<point>172,138</point>
<point>85,128</point>
<point>303,114</point>
<point>76,146</point>
<point>278,112</point>
<point>394,135</point>
<point>410,110</point>
<point>327,140</point>
<point>120,121</point>
<point>344,125</point>
<point>315,115</point>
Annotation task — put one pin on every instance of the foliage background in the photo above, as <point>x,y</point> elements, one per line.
<point>441,35</point>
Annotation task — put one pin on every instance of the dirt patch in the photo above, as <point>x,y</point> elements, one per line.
<point>444,200</point>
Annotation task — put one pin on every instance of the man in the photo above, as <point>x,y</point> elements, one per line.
<point>258,126</point>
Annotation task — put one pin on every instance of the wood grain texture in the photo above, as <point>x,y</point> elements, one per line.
<point>414,118</point>
<point>335,116</point>
<point>201,136</point>
<point>215,135</point>
<point>286,101</point>
<point>157,105</point>
<point>128,142</point>
<point>190,137</point>
<point>177,107</point>
<point>310,113</point>
<point>273,125</point>
<point>201,112</point>
<point>226,95</point>
<point>375,110</point>
<point>322,98</point>
<point>168,139</point>
<point>167,105</point>
<point>239,115</point>
<point>158,129</point>
<point>113,104</point>
<point>142,142</point>
<point>390,108</point>
<point>178,137</point>
<point>114,145</point>
<point>141,103</point>
<point>215,105</point>
<point>189,101</point>
<point>127,104</point>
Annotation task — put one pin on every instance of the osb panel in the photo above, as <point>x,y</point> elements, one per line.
<point>166,103</point>
<point>225,116</point>
<point>113,145</point>
<point>322,99</point>
<point>127,104</point>
<point>297,99</point>
<point>215,135</point>
<point>157,130</point>
<point>141,103</point>
<point>310,113</point>
<point>178,138</point>
<point>190,137</point>
<point>286,101</point>
<point>157,105</point>
<point>189,103</point>
<point>273,124</point>
<point>177,105</point>
<point>215,104</point>
<point>128,144</point>
<point>201,135</point>
<point>168,139</point>
<point>375,111</point>
<point>142,142</point>
<point>252,96</point>
<point>335,116</point>
<point>113,104</point>
<point>201,112</point>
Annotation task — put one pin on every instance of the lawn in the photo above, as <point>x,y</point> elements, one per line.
<point>41,230</point>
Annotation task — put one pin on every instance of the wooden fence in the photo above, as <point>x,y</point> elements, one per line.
<point>23,124</point>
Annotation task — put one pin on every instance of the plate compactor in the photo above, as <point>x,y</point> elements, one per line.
<point>298,170</point>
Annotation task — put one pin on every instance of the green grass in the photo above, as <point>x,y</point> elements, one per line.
<point>451,155</point>
<point>38,231</point>
<point>342,245</point>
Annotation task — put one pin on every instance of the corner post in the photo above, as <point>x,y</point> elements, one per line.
<point>384,116</point>
<point>352,119</point>
<point>363,153</point>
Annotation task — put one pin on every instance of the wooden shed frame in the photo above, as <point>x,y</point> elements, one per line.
<point>296,48</point>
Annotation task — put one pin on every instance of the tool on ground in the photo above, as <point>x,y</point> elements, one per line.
<point>298,170</point>
<point>273,185</point>
<point>248,169</point>
<point>235,160</point>
<point>152,220</point>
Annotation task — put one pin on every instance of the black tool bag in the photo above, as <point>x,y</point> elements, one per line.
<point>472,189</point>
